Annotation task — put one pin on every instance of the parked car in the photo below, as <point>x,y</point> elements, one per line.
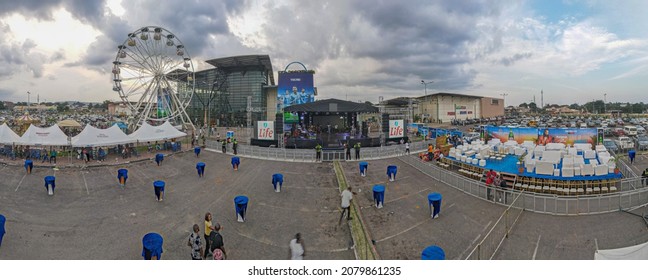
<point>472,136</point>
<point>625,142</point>
<point>642,142</point>
<point>610,145</point>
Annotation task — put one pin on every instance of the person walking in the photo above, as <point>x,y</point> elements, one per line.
<point>53,155</point>
<point>407,151</point>
<point>194,242</point>
<point>357,150</point>
<point>347,196</point>
<point>224,146</point>
<point>347,147</point>
<point>217,247</point>
<point>318,152</point>
<point>297,248</point>
<point>644,176</point>
<point>234,145</point>
<point>208,230</point>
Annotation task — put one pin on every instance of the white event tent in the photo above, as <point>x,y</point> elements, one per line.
<point>147,132</point>
<point>93,137</point>
<point>45,136</point>
<point>636,252</point>
<point>8,136</point>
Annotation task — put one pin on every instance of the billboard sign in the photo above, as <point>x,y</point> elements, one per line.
<point>265,130</point>
<point>543,136</point>
<point>295,88</point>
<point>396,129</point>
<point>163,103</point>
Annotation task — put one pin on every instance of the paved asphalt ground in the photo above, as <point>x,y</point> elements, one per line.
<point>92,217</point>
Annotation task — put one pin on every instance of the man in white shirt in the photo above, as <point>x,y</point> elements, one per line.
<point>347,196</point>
<point>297,249</point>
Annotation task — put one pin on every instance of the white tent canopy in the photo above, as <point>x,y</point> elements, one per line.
<point>636,252</point>
<point>8,136</point>
<point>93,137</point>
<point>147,132</point>
<point>45,136</point>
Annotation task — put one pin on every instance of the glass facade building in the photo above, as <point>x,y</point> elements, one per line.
<point>222,93</point>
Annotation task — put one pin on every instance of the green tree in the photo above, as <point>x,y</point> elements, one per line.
<point>62,107</point>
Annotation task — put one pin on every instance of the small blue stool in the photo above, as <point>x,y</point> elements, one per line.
<point>277,181</point>
<point>434,200</point>
<point>379,195</point>
<point>158,187</point>
<point>152,246</point>
<point>29,165</point>
<point>433,253</point>
<point>197,151</point>
<point>122,175</point>
<point>2,228</point>
<point>159,158</point>
<point>363,168</point>
<point>391,172</point>
<point>241,203</point>
<point>235,162</point>
<point>50,184</point>
<point>201,169</point>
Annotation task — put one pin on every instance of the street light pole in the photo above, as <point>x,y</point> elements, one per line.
<point>604,101</point>
<point>425,84</point>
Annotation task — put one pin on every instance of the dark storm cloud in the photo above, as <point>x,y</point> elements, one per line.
<point>413,40</point>
<point>38,9</point>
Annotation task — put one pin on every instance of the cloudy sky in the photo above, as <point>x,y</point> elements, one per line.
<point>574,51</point>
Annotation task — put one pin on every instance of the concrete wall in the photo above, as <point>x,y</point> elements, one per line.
<point>458,107</point>
<point>271,103</point>
<point>491,107</point>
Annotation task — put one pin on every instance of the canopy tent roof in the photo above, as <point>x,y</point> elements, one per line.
<point>26,118</point>
<point>8,136</point>
<point>93,137</point>
<point>46,136</point>
<point>69,123</point>
<point>636,252</point>
<point>333,106</point>
<point>148,132</point>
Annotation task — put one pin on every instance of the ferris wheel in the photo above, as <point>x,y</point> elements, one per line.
<point>154,75</point>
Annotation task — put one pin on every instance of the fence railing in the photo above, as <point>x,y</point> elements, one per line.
<point>306,155</point>
<point>630,195</point>
<point>492,241</point>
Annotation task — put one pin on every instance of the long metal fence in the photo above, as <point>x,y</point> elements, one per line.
<point>308,155</point>
<point>489,245</point>
<point>630,195</point>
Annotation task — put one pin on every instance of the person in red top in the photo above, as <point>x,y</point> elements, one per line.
<point>490,179</point>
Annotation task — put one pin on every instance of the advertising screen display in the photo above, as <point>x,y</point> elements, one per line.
<point>295,88</point>
<point>265,130</point>
<point>396,129</point>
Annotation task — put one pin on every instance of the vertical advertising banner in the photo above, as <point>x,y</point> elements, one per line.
<point>265,130</point>
<point>163,103</point>
<point>396,129</point>
<point>295,88</point>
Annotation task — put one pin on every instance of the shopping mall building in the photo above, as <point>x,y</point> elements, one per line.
<point>224,94</point>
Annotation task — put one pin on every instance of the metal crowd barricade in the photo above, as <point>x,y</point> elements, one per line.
<point>626,198</point>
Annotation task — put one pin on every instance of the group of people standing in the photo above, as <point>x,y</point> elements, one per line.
<point>214,245</point>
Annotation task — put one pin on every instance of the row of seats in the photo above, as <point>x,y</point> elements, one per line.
<point>471,174</point>
<point>564,187</point>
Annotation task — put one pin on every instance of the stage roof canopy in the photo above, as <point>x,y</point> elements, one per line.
<point>333,106</point>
